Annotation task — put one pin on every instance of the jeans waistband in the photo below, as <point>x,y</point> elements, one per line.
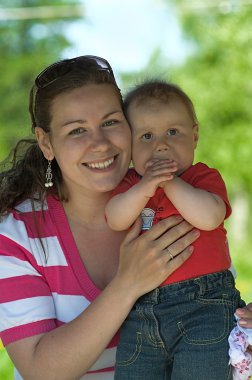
<point>199,284</point>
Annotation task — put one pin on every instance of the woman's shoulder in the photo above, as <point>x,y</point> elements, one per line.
<point>29,215</point>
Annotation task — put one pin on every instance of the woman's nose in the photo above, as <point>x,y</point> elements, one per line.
<point>99,141</point>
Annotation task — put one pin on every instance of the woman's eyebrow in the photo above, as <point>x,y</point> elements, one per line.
<point>78,121</point>
<point>83,121</point>
<point>112,113</point>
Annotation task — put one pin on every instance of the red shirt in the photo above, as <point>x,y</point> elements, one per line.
<point>211,253</point>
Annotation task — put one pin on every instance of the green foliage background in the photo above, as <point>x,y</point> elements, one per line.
<point>216,75</point>
<point>218,78</point>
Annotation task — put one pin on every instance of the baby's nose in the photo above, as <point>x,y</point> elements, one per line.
<point>162,145</point>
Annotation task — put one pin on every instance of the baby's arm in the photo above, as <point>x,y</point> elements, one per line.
<point>123,209</point>
<point>204,210</point>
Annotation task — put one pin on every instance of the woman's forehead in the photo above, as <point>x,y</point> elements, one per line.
<point>88,92</point>
<point>86,101</point>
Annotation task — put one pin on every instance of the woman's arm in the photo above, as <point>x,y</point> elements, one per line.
<point>69,351</point>
<point>199,207</point>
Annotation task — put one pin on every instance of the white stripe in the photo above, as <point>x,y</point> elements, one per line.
<point>233,270</point>
<point>107,359</point>
<point>26,206</point>
<point>53,255</point>
<point>21,312</point>
<point>63,307</point>
<point>16,231</point>
<point>99,376</point>
<point>94,376</point>
<point>13,267</point>
<point>69,307</point>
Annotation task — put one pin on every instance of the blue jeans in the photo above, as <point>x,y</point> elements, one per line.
<point>180,331</point>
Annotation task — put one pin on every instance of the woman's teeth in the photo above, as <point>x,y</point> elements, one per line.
<point>101,165</point>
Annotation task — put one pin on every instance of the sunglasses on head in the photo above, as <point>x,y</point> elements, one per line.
<point>61,68</point>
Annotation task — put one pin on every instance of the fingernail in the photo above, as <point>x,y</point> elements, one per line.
<point>240,311</point>
<point>196,233</point>
<point>179,217</point>
<point>242,323</point>
<point>191,248</point>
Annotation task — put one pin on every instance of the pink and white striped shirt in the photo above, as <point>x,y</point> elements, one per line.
<point>44,285</point>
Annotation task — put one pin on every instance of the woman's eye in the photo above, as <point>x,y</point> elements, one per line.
<point>109,123</point>
<point>77,131</point>
<point>147,136</point>
<point>172,132</point>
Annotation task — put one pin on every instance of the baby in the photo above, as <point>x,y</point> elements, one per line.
<point>181,329</point>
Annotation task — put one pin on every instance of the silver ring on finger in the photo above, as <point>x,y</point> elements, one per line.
<point>170,254</point>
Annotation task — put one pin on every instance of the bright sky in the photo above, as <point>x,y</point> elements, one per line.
<point>126,32</point>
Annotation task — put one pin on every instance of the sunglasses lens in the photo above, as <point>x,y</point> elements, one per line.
<point>61,68</point>
<point>102,63</point>
<point>51,73</point>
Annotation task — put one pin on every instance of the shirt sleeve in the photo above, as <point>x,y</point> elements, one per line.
<point>209,179</point>
<point>128,181</point>
<point>26,302</point>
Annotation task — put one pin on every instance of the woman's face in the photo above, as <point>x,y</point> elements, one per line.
<point>90,138</point>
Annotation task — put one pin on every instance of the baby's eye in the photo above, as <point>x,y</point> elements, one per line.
<point>172,132</point>
<point>77,131</point>
<point>147,136</point>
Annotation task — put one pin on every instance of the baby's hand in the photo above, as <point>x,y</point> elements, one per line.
<point>157,173</point>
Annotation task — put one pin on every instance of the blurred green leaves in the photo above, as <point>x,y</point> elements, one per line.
<point>27,46</point>
<point>217,76</point>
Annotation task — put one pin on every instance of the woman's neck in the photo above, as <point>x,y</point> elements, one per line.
<point>88,211</point>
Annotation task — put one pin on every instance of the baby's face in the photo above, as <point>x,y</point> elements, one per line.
<point>162,131</point>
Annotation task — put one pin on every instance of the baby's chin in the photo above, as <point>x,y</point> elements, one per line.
<point>181,171</point>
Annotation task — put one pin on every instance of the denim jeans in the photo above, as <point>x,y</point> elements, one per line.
<point>180,331</point>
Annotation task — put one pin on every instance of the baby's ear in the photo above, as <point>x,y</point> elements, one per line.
<point>44,143</point>
<point>196,134</point>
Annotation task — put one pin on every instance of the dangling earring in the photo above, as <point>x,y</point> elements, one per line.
<point>49,182</point>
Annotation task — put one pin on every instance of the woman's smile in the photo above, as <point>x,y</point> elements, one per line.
<point>101,165</point>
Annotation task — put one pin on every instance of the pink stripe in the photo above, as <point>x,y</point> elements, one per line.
<point>43,226</point>
<point>114,341</point>
<point>16,250</point>
<point>62,280</point>
<point>108,369</point>
<point>25,331</point>
<point>17,288</point>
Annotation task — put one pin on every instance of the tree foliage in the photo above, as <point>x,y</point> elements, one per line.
<point>217,76</point>
<point>27,46</point>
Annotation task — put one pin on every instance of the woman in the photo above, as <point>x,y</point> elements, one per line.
<point>64,288</point>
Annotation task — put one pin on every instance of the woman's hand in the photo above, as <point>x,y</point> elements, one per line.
<point>245,315</point>
<point>146,260</point>
<point>245,320</point>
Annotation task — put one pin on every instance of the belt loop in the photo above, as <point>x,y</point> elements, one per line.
<point>201,284</point>
<point>156,293</point>
<point>152,297</point>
